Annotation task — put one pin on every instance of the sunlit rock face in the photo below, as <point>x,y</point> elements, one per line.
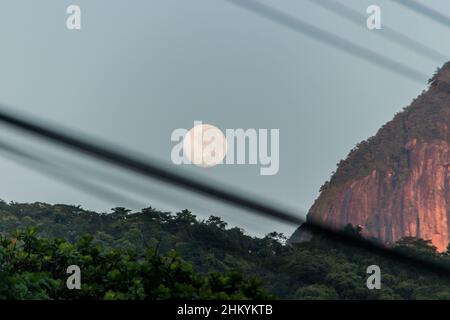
<point>389,211</point>
<point>397,183</point>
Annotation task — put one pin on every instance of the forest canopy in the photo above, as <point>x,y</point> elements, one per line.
<point>151,254</point>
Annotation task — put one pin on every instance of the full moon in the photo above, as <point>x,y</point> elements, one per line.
<point>205,145</point>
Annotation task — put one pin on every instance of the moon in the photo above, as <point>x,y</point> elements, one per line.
<point>205,145</point>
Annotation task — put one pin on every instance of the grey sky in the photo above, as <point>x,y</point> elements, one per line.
<point>140,69</point>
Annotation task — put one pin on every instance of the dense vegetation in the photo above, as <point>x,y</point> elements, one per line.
<point>35,268</point>
<point>156,255</point>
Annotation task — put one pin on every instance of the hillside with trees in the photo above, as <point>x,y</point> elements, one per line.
<point>152,254</point>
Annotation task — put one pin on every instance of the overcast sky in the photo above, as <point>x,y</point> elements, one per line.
<point>139,69</point>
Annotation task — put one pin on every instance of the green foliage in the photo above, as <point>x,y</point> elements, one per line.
<point>157,255</point>
<point>35,268</point>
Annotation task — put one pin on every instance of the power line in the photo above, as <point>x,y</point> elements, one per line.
<point>52,170</point>
<point>329,38</point>
<point>120,159</point>
<point>307,29</point>
<point>386,32</point>
<point>62,169</point>
<point>425,11</point>
<point>148,167</point>
<point>125,185</point>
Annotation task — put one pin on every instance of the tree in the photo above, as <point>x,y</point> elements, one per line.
<point>119,213</point>
<point>216,222</point>
<point>184,218</point>
<point>34,268</point>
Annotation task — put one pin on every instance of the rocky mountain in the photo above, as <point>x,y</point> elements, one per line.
<point>397,183</point>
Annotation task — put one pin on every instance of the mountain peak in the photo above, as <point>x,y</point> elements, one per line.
<point>396,184</point>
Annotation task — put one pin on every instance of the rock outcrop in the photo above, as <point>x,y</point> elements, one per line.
<point>397,183</point>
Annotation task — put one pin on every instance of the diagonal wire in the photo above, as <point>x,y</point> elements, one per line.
<point>152,170</point>
<point>329,38</point>
<point>425,11</point>
<point>127,185</point>
<point>149,168</point>
<point>146,167</point>
<point>50,169</point>
<point>387,32</point>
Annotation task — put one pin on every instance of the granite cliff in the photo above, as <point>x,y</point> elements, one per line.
<point>397,183</point>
